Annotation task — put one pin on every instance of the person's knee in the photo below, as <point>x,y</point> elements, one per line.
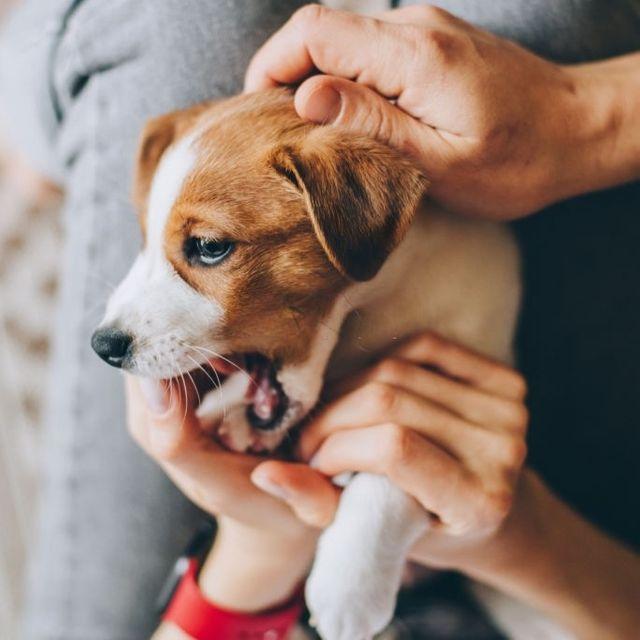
<point>183,52</point>
<point>207,49</point>
<point>27,118</point>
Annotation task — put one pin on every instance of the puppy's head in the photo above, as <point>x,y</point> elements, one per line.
<point>255,224</point>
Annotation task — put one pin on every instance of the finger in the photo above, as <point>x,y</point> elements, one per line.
<point>423,15</point>
<point>465,401</point>
<point>150,403</point>
<point>163,422</point>
<point>418,466</point>
<point>334,42</point>
<point>313,498</point>
<point>377,402</point>
<point>435,19</point>
<point>360,110</point>
<point>429,349</point>
<point>161,415</point>
<point>137,408</point>
<point>218,481</point>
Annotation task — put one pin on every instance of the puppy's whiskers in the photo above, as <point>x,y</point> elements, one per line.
<point>203,352</point>
<point>178,382</point>
<point>216,383</point>
<point>217,375</point>
<point>156,356</point>
<point>186,397</point>
<point>93,274</point>
<point>195,387</point>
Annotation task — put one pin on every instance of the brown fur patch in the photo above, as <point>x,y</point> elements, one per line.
<point>306,208</point>
<point>361,197</point>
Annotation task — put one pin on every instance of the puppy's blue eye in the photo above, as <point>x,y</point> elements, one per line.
<point>207,251</point>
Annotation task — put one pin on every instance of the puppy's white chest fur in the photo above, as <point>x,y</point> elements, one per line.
<point>457,277</point>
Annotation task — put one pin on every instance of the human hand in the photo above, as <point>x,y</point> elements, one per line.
<point>499,131</point>
<point>444,424</point>
<point>451,435</point>
<point>262,550</point>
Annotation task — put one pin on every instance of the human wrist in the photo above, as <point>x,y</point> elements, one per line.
<point>524,558</point>
<point>523,531</point>
<point>597,127</point>
<point>250,571</point>
<point>169,631</point>
<point>550,557</point>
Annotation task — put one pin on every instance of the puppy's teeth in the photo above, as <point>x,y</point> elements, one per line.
<point>265,402</point>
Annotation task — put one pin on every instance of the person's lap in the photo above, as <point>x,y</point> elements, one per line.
<point>110,523</point>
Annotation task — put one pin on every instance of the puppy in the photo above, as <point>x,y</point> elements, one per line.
<point>263,234</point>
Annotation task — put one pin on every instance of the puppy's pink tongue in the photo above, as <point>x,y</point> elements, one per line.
<point>265,399</point>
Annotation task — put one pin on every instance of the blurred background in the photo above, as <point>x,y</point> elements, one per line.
<point>30,241</point>
<point>29,248</point>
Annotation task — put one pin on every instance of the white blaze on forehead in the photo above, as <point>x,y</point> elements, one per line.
<point>152,275</point>
<point>153,303</point>
<point>174,168</point>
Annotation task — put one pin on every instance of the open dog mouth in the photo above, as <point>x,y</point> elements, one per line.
<point>265,401</point>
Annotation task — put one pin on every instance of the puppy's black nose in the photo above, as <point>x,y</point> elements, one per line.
<point>112,345</point>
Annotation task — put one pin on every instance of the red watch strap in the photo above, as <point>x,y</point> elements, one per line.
<point>202,620</point>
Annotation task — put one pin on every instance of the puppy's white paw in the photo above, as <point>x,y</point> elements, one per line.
<point>354,604</point>
<point>353,586</point>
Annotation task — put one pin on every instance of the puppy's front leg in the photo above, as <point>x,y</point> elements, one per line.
<point>355,579</point>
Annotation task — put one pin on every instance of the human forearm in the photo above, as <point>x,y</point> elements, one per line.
<point>249,572</point>
<point>548,556</point>
<point>604,121</point>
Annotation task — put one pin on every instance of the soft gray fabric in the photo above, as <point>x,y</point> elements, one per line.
<point>26,45</point>
<point>81,77</point>
<point>564,30</point>
<point>111,524</point>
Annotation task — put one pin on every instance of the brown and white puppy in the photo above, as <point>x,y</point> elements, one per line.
<point>263,234</point>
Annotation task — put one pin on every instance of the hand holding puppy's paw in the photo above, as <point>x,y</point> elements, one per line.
<point>353,585</point>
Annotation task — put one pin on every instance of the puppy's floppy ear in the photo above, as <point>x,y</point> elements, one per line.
<point>157,136</point>
<point>361,196</point>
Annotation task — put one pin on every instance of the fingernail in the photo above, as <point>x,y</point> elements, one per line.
<point>155,395</point>
<point>269,486</point>
<point>342,479</point>
<point>323,105</point>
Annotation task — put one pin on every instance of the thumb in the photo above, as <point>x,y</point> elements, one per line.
<point>161,415</point>
<point>311,496</point>
<point>362,111</point>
